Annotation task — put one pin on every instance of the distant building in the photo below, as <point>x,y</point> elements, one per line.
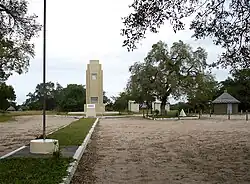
<point>225,104</point>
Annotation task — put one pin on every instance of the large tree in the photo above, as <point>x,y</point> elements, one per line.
<point>35,99</point>
<point>17,28</point>
<point>72,98</point>
<point>166,72</point>
<point>226,21</point>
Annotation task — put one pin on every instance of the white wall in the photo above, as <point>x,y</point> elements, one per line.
<point>157,105</point>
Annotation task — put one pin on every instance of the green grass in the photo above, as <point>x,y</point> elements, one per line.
<point>73,134</point>
<point>33,170</point>
<point>30,113</point>
<point>4,118</point>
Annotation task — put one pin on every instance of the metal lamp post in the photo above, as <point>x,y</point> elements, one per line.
<point>44,70</point>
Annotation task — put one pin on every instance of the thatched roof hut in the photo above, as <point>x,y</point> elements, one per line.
<point>225,104</point>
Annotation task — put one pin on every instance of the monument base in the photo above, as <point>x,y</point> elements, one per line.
<point>106,113</point>
<point>99,108</point>
<point>44,146</point>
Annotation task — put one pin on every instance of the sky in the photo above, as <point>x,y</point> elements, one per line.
<point>80,31</point>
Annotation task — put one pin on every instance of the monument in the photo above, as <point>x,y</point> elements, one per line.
<point>94,86</point>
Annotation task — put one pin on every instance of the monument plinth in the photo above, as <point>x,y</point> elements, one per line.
<point>44,146</point>
<point>94,86</point>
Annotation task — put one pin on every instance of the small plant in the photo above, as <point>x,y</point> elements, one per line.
<point>57,152</point>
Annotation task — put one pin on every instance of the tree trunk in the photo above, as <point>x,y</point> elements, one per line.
<point>163,104</point>
<point>147,103</point>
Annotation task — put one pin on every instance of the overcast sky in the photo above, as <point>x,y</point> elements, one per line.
<point>78,31</point>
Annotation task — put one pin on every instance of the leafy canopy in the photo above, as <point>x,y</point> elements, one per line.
<point>7,95</point>
<point>225,21</point>
<point>17,28</point>
<point>166,72</point>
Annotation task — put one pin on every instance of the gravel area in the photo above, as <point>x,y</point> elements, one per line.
<point>17,133</point>
<point>207,151</point>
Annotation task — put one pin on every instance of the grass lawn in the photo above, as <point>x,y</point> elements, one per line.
<point>75,133</point>
<point>33,170</point>
<point>30,113</point>
<point>4,118</point>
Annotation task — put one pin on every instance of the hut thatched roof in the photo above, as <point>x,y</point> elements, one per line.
<point>225,98</point>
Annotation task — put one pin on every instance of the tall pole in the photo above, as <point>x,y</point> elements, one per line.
<point>44,69</point>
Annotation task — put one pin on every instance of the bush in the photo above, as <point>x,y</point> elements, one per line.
<point>156,112</point>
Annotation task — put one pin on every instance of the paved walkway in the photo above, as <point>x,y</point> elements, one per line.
<point>138,151</point>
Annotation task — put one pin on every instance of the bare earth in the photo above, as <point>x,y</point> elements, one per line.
<point>175,152</point>
<point>18,133</point>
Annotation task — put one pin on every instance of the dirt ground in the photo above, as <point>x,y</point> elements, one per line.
<point>17,133</point>
<point>175,152</point>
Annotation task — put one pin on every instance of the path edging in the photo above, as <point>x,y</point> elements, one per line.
<point>78,155</point>
<point>176,118</point>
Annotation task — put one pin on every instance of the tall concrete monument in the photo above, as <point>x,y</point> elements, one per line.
<point>94,86</point>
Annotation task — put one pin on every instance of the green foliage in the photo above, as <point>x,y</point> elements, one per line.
<point>238,86</point>
<point>170,114</point>
<point>181,105</point>
<point>35,100</point>
<point>7,94</point>
<point>70,98</point>
<point>17,28</point>
<point>202,92</point>
<point>121,102</point>
<point>227,22</point>
<point>166,72</point>
<point>5,118</point>
<point>33,170</point>
<point>73,134</point>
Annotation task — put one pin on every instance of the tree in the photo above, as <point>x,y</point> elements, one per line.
<point>7,95</point>
<point>16,30</point>
<point>166,72</point>
<point>140,84</point>
<point>106,100</point>
<point>35,100</point>
<point>121,102</point>
<point>72,98</point>
<point>238,86</point>
<point>226,21</point>
<point>200,94</point>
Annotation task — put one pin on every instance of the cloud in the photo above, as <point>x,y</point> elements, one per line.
<point>83,30</point>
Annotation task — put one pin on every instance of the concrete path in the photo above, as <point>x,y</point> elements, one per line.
<point>138,151</point>
<point>17,133</point>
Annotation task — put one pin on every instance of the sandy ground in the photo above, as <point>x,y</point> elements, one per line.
<point>18,133</point>
<point>175,152</point>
